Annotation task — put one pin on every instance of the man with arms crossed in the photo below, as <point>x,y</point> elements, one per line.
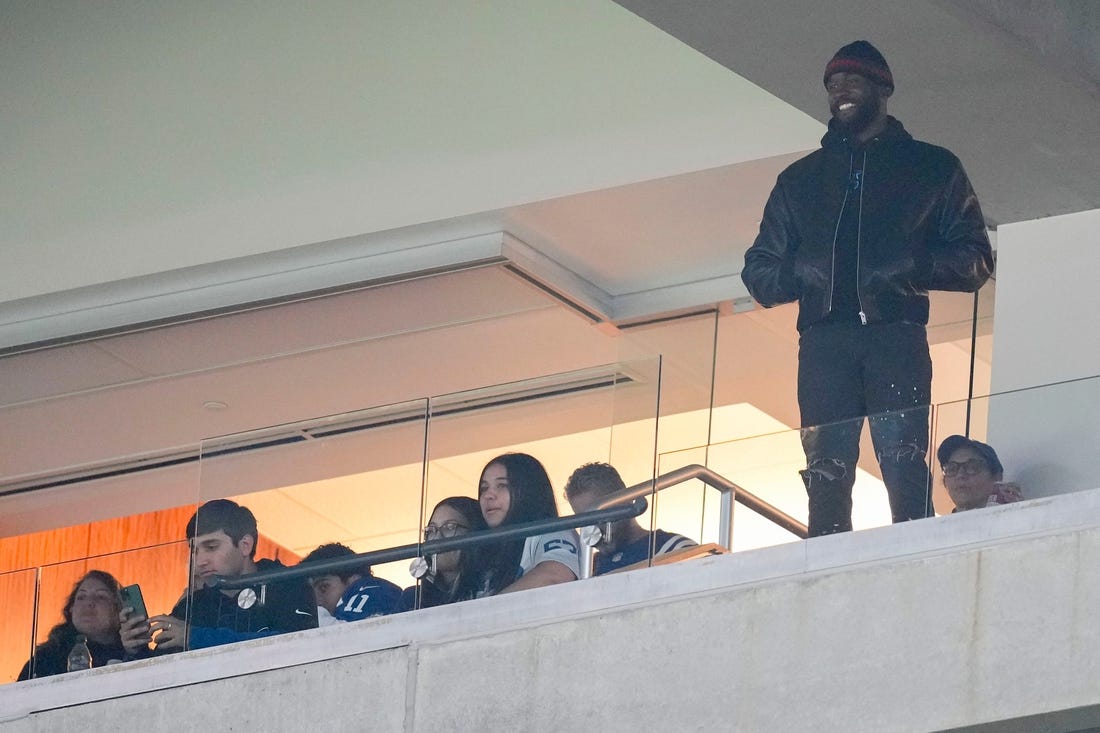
<point>858,232</point>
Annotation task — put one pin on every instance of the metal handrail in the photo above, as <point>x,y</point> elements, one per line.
<point>621,510</point>
<point>729,491</point>
<point>714,480</point>
<point>628,503</point>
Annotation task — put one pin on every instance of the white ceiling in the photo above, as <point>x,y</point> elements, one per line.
<point>995,82</point>
<point>207,135</point>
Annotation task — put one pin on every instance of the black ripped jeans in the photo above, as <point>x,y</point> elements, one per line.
<point>848,371</point>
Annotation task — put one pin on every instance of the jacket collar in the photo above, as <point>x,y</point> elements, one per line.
<point>836,138</point>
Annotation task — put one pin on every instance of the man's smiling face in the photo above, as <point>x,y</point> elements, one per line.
<point>854,101</point>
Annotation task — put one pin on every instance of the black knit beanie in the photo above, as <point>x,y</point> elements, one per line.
<point>860,57</point>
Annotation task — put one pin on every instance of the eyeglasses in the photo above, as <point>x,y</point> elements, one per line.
<point>968,468</point>
<point>445,530</point>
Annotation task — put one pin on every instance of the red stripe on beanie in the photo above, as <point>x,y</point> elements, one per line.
<point>858,66</point>
<point>860,57</point>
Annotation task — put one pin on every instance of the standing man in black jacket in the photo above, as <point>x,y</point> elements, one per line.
<point>858,232</point>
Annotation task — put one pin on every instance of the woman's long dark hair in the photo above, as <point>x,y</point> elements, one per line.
<point>64,634</point>
<point>467,507</point>
<point>465,585</point>
<point>531,497</point>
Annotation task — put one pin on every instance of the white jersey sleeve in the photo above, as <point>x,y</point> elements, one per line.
<point>557,547</point>
<point>673,542</point>
<point>324,618</point>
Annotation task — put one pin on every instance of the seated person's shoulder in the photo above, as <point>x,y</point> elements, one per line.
<point>671,542</point>
<point>290,602</point>
<point>560,547</point>
<point>370,596</point>
<point>659,540</point>
<point>407,602</point>
<point>553,546</point>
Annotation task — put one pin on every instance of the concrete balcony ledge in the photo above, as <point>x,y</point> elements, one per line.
<point>960,620</point>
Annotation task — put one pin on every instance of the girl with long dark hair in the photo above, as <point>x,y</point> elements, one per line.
<point>514,488</point>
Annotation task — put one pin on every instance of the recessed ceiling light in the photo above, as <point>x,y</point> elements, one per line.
<point>214,405</point>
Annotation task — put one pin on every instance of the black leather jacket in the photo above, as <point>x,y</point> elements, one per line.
<point>920,229</point>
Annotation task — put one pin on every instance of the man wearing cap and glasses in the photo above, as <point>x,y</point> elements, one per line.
<point>858,232</point>
<point>974,475</point>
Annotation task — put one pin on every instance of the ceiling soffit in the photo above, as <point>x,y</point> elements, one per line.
<point>970,76</point>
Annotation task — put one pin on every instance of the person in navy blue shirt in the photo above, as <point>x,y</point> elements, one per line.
<point>351,594</point>
<point>628,542</point>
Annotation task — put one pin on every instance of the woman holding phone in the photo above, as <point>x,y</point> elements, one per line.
<point>92,611</point>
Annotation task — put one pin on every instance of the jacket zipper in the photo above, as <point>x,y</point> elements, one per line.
<point>859,235</point>
<point>836,233</point>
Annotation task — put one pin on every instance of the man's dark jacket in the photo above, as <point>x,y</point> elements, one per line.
<point>219,619</point>
<point>919,228</point>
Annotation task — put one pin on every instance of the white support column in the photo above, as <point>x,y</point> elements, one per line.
<point>1045,333</point>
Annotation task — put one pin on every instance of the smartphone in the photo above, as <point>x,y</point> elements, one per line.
<point>131,596</point>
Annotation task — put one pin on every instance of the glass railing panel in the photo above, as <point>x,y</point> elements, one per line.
<point>81,597</point>
<point>687,348</point>
<point>771,467</point>
<point>17,591</point>
<point>604,414</point>
<point>62,545</point>
<point>960,338</point>
<point>685,514</point>
<point>690,508</point>
<point>763,462</point>
<point>1044,439</point>
<point>354,479</point>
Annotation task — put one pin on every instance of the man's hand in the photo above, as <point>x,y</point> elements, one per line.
<point>170,632</point>
<point>134,631</point>
<point>1007,492</point>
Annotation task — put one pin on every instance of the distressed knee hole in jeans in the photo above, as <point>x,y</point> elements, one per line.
<point>826,469</point>
<point>902,453</point>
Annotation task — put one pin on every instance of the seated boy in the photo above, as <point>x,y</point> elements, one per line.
<point>351,594</point>
<point>628,542</point>
<point>223,542</point>
<point>973,474</point>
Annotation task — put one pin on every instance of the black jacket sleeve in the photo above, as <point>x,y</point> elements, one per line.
<point>961,258</point>
<point>295,608</point>
<point>769,263</point>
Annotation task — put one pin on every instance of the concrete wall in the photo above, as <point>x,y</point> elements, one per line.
<point>982,619</point>
<point>1046,335</point>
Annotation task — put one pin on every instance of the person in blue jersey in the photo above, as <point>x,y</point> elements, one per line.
<point>513,489</point>
<point>351,594</point>
<point>452,517</point>
<point>628,542</point>
<point>223,538</point>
